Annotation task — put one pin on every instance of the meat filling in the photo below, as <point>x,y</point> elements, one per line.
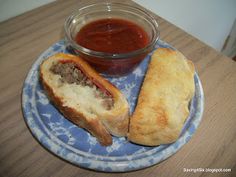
<point>70,74</point>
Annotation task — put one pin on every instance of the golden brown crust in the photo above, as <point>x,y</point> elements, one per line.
<point>114,121</point>
<point>162,106</point>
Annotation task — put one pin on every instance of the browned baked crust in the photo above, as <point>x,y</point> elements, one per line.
<point>162,106</point>
<point>114,121</point>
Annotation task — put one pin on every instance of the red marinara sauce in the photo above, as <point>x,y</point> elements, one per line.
<point>112,35</point>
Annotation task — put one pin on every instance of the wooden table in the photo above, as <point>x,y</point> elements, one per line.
<point>25,37</point>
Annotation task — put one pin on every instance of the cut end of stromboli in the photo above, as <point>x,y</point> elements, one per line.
<point>84,97</point>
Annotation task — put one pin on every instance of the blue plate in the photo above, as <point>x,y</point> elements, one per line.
<point>77,146</point>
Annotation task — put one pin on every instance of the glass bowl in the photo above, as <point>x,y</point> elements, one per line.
<point>116,64</point>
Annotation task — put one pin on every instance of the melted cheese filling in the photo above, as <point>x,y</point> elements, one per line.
<point>76,96</point>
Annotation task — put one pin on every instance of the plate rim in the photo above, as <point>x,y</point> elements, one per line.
<point>113,166</point>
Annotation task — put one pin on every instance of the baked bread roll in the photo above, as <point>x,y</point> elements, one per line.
<point>84,97</point>
<point>163,101</point>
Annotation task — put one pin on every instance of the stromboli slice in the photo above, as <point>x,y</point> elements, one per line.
<point>162,106</point>
<point>84,97</point>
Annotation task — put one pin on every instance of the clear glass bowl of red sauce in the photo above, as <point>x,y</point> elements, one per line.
<point>112,37</point>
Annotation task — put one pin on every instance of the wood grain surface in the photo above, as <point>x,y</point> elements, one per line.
<point>25,37</point>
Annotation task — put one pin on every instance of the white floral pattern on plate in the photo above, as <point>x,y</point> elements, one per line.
<point>77,146</point>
